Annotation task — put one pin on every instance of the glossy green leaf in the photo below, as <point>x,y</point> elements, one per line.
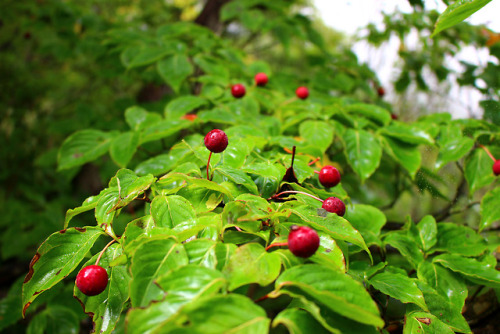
<point>170,211</point>
<point>317,133</point>
<point>202,183</point>
<point>459,239</point>
<point>231,313</point>
<point>175,69</point>
<point>329,254</point>
<point>267,177</point>
<point>138,118</point>
<point>182,105</point>
<point>56,258</point>
<point>11,304</point>
<point>56,319</point>
<point>427,230</point>
<point>478,172</point>
<point>331,224</point>
<point>424,323</point>
<point>237,177</point>
<point>444,281</point>
<point>400,287</point>
<point>123,148</point>
<point>456,13</point>
<point>251,263</point>
<point>298,321</point>
<point>453,145</point>
<point>407,133</point>
<point>373,112</point>
<point>203,200</point>
<point>333,290</point>
<point>490,208</point>
<point>140,227</point>
<point>480,272</point>
<point>164,162</point>
<point>163,129</point>
<point>152,259</point>
<point>368,220</point>
<point>81,147</point>
<point>106,307</point>
<point>408,155</point>
<point>442,308</point>
<point>89,204</point>
<point>363,152</point>
<point>202,252</point>
<point>406,246</point>
<point>129,186</point>
<point>104,211</point>
<point>146,55</point>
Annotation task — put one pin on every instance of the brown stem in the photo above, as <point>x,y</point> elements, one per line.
<point>488,152</point>
<point>293,155</point>
<point>316,172</point>
<point>313,162</point>
<point>208,165</point>
<point>102,252</point>
<point>296,192</point>
<point>277,244</point>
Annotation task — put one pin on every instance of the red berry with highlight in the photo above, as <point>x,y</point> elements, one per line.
<point>303,241</point>
<point>92,280</point>
<point>216,141</point>
<point>329,176</point>
<point>261,79</point>
<point>496,167</point>
<point>334,205</point>
<point>302,92</point>
<point>238,90</point>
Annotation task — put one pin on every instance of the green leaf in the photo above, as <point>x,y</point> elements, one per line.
<point>332,225</point>
<point>89,204</point>
<point>180,106</point>
<point>232,313</point>
<point>175,69</point>
<point>151,260</point>
<point>138,118</point>
<point>406,246</point>
<point>55,319</point>
<point>251,263</point>
<point>192,281</point>
<point>56,258</point>
<point>456,13</point>
<point>202,199</point>
<point>81,147</point>
<point>459,239</point>
<point>123,148</point>
<point>170,211</point>
<point>472,269</point>
<point>427,230</point>
<point>368,220</point>
<point>453,145</point>
<point>163,129</point>
<point>164,162</point>
<point>237,177</point>
<point>266,176</point>
<point>333,290</point>
<point>104,211</point>
<point>129,186</point>
<point>400,287</point>
<point>298,321</point>
<point>146,55</point>
<point>376,113</point>
<point>447,283</point>
<point>478,172</point>
<point>317,133</point>
<point>408,155</point>
<point>202,183</point>
<point>11,304</point>
<point>407,133</point>
<point>424,323</point>
<point>490,208</point>
<point>106,307</point>
<point>363,152</point>
<point>329,254</point>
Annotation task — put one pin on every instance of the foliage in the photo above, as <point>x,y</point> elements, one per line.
<point>192,253</point>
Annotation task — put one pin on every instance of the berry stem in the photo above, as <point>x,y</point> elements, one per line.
<point>488,152</point>
<point>102,252</point>
<point>295,192</point>
<point>316,172</point>
<point>313,162</point>
<point>277,244</point>
<point>208,165</point>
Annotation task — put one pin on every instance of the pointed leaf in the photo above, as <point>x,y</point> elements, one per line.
<point>298,321</point>
<point>490,208</point>
<point>456,13</point>
<point>478,172</point>
<point>123,148</point>
<point>363,152</point>
<point>459,239</point>
<point>317,133</point>
<point>408,155</point>
<point>399,287</point>
<point>170,211</point>
<point>424,323</point>
<point>81,147</point>
<point>180,106</point>
<point>175,69</point>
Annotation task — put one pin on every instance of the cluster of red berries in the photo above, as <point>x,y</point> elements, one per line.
<point>261,79</point>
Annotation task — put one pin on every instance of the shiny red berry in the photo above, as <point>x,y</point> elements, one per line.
<point>216,141</point>
<point>238,90</point>
<point>303,241</point>
<point>329,176</point>
<point>496,167</point>
<point>92,280</point>
<point>334,205</point>
<point>394,116</point>
<point>381,91</point>
<point>261,79</point>
<point>302,92</point>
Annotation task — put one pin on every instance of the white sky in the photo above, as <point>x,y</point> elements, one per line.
<point>350,15</point>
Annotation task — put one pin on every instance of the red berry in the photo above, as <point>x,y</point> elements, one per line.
<point>329,176</point>
<point>303,241</point>
<point>302,92</point>
<point>496,167</point>
<point>261,79</point>
<point>92,280</point>
<point>334,205</point>
<point>394,116</point>
<point>238,90</point>
<point>381,91</point>
<point>216,141</point>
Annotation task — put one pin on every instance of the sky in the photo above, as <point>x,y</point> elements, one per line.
<point>350,16</point>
